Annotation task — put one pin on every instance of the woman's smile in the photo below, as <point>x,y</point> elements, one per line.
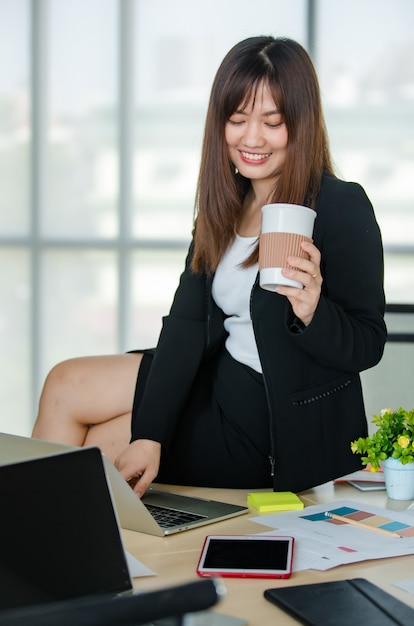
<point>255,157</point>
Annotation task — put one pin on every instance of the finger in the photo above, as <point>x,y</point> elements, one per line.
<point>304,271</point>
<point>299,275</point>
<point>312,251</point>
<point>129,470</point>
<point>142,483</point>
<point>133,480</point>
<point>308,266</point>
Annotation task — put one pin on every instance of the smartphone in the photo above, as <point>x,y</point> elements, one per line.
<point>246,556</point>
<point>365,485</point>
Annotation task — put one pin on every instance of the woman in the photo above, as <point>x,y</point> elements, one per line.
<point>246,388</point>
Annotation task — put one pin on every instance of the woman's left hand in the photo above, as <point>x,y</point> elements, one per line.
<point>304,301</point>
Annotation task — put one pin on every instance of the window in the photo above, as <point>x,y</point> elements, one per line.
<point>365,59</point>
<point>102,113</point>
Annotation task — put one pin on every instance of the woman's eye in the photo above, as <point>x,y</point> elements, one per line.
<point>235,122</point>
<point>275,122</point>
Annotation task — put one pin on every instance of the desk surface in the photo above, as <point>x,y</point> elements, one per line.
<point>174,558</point>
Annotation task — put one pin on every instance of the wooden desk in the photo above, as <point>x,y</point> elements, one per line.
<point>174,558</point>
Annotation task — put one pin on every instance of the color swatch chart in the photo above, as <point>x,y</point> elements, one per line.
<point>369,519</point>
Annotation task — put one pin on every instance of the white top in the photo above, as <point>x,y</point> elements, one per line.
<point>232,286</point>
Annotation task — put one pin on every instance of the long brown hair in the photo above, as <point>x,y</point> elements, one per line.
<point>288,71</point>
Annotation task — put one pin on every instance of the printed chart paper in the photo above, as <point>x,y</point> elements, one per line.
<point>323,543</point>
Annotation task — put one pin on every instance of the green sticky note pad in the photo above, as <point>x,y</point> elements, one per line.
<point>269,501</point>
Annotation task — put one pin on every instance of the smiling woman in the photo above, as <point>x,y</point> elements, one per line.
<point>237,368</point>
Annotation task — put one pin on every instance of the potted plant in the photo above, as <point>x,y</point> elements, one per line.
<point>391,447</point>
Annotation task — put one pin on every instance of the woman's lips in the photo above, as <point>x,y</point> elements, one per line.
<point>254,157</point>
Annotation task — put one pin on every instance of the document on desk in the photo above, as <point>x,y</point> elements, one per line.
<point>322,542</point>
<point>407,585</point>
<point>136,568</point>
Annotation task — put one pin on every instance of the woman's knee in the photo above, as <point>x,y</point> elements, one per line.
<point>61,382</point>
<point>62,374</point>
<point>92,389</point>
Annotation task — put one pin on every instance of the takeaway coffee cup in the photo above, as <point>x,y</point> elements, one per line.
<point>284,227</point>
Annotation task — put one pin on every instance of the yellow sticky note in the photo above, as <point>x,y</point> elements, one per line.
<point>269,501</point>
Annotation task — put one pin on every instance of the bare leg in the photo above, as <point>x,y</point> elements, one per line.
<point>88,401</point>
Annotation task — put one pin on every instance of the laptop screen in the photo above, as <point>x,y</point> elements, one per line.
<point>59,536</point>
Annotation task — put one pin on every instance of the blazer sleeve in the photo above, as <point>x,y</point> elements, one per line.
<point>348,331</point>
<point>179,351</point>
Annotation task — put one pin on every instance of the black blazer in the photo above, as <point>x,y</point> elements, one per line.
<point>311,374</point>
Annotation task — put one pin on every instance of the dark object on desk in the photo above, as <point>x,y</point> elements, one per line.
<point>159,608</point>
<point>342,603</point>
<point>59,534</point>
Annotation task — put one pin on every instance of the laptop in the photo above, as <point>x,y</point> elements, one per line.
<point>62,559</point>
<point>59,535</point>
<point>158,513</point>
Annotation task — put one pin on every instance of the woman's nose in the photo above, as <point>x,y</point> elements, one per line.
<point>253,136</point>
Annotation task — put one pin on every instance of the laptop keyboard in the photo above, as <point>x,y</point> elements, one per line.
<point>167,518</point>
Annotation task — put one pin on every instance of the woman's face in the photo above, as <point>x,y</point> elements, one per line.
<point>257,137</point>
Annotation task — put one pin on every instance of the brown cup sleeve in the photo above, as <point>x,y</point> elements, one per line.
<point>274,248</point>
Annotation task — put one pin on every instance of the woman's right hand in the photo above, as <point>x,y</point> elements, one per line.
<point>139,464</point>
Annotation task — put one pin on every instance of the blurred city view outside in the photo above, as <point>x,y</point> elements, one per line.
<point>86,271</point>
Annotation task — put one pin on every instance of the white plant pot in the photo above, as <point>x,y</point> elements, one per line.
<point>399,479</point>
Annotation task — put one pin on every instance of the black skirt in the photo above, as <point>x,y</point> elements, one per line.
<point>223,434</point>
